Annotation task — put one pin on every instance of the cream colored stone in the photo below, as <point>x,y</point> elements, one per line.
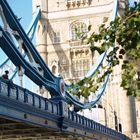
<point>58,16</point>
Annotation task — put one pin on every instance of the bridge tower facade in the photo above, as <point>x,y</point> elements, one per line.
<point>61,49</point>
<point>41,33</point>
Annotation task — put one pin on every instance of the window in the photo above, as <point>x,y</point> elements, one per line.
<point>56,37</point>
<point>65,71</point>
<point>54,69</point>
<point>80,67</point>
<point>64,62</point>
<point>77,30</point>
<point>38,28</point>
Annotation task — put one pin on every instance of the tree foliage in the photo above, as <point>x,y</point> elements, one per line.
<point>124,33</point>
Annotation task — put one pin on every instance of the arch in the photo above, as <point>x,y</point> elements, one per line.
<point>77,30</point>
<point>54,69</point>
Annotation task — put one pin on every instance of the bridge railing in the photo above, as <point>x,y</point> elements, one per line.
<point>22,95</point>
<point>12,91</point>
<point>81,120</point>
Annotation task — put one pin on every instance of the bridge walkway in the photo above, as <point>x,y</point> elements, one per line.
<point>26,114</point>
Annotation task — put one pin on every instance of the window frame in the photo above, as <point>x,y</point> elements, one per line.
<point>78,28</point>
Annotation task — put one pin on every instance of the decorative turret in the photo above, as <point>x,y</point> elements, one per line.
<point>41,31</point>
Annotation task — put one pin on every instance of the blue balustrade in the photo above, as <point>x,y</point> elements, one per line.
<point>21,95</point>
<point>70,115</point>
<point>14,92</point>
<point>94,125</point>
<point>4,88</point>
<point>29,97</point>
<point>50,106</point>
<point>55,109</point>
<point>36,101</point>
<point>42,103</point>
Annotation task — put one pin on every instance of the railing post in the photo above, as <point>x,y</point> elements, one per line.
<point>25,96</point>
<point>63,108</point>
<point>63,111</point>
<point>0,85</point>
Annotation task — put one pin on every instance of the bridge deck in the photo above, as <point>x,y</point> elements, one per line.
<point>12,130</point>
<point>26,112</point>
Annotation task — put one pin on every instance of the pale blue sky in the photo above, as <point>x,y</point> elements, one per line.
<point>22,8</point>
<point>132,1</point>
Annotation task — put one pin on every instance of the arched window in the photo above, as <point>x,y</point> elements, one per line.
<point>38,28</point>
<point>77,30</point>
<point>54,69</point>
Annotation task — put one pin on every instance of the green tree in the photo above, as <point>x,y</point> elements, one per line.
<point>124,32</point>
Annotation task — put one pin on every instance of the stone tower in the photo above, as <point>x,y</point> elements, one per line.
<point>61,49</point>
<point>41,32</point>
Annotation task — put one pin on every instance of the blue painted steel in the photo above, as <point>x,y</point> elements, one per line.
<point>96,66</point>
<point>30,33</point>
<point>4,63</point>
<point>50,81</point>
<point>22,100</point>
<point>18,59</point>
<point>79,105</point>
<point>33,23</point>
<point>15,25</point>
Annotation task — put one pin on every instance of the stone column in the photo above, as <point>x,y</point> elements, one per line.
<point>128,109</point>
<point>129,125</point>
<point>41,32</point>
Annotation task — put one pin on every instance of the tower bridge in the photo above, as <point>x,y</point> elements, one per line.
<point>25,115</point>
